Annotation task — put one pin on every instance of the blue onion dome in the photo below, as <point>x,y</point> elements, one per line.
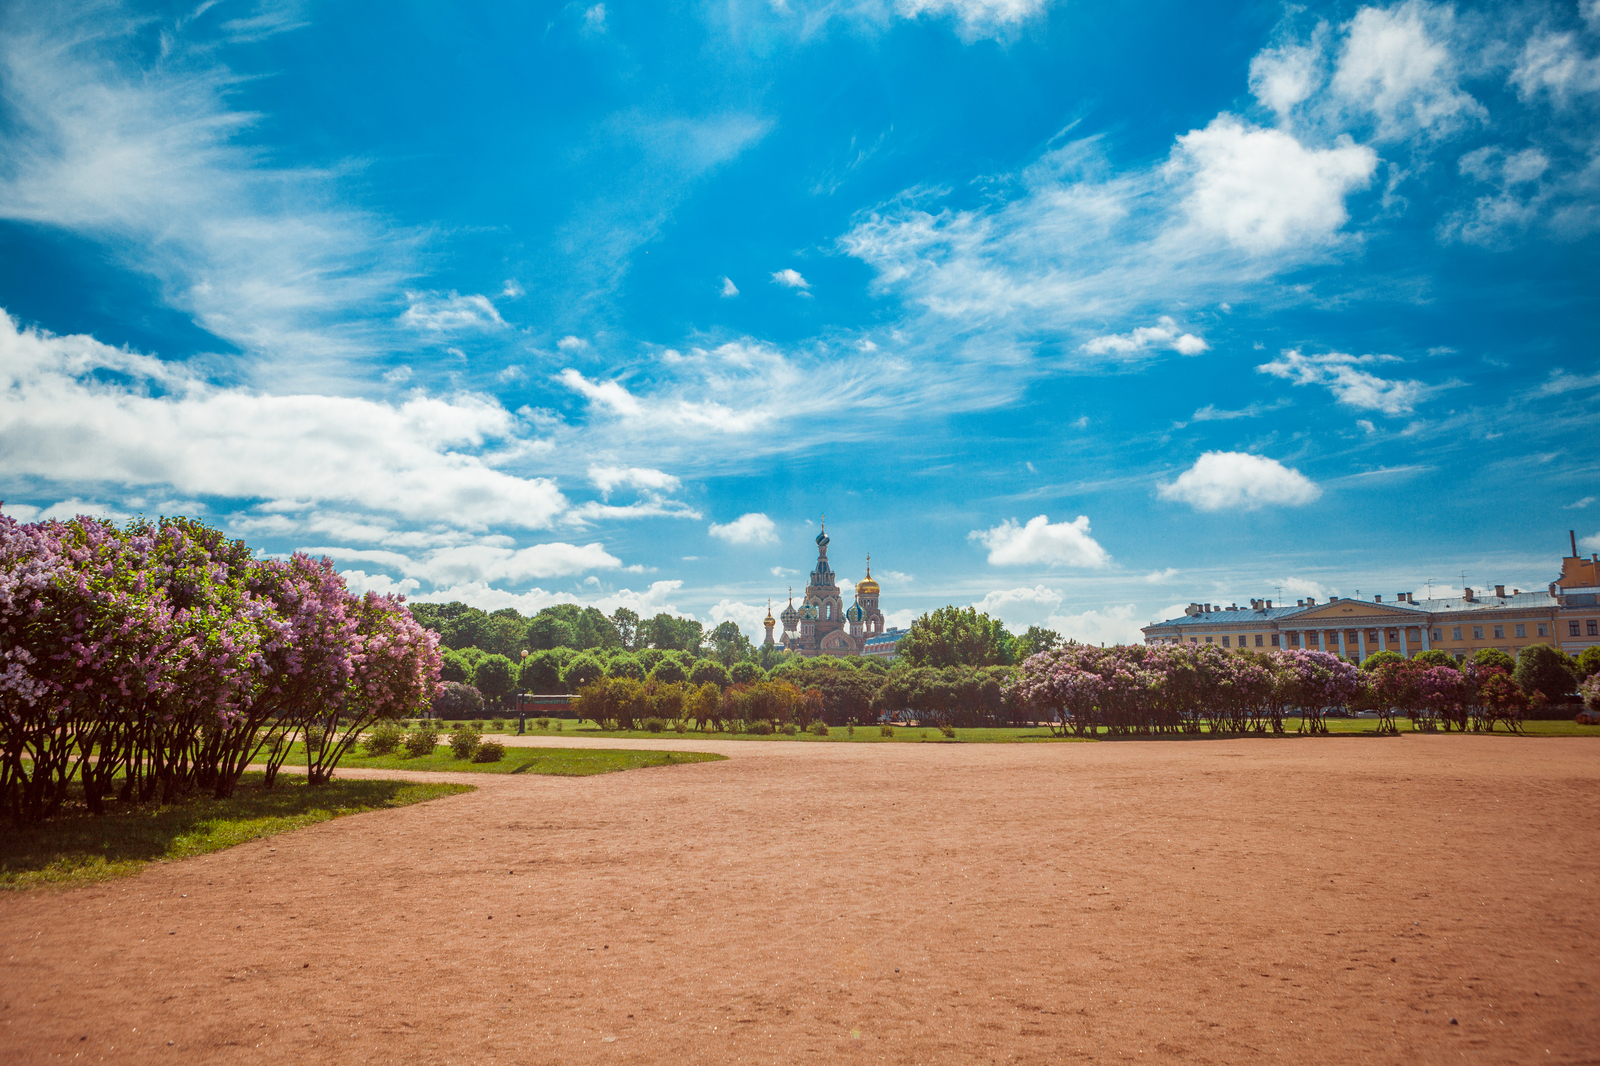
<point>854,612</point>
<point>789,616</point>
<point>822,539</point>
<point>808,613</point>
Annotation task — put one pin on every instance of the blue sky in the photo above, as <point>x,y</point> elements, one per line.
<point>1078,312</point>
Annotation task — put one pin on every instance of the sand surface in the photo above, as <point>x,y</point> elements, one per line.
<point>1328,900</point>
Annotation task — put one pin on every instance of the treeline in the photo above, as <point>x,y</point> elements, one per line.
<point>1178,688</point>
<point>510,633</point>
<point>154,660</point>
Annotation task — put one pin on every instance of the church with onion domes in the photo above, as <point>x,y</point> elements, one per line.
<point>824,625</point>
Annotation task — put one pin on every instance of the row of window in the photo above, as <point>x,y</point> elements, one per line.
<point>1575,628</point>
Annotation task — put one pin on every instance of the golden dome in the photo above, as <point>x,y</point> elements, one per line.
<point>769,621</point>
<point>866,586</point>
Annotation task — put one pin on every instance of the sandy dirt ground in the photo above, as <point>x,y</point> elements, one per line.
<point>1424,899</point>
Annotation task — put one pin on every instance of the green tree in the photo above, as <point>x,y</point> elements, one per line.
<point>540,673</point>
<point>468,629</point>
<point>626,624</point>
<point>746,673</point>
<point>1437,657</point>
<point>508,634</point>
<point>1378,658</point>
<point>625,666</point>
<point>583,671</point>
<point>669,671</point>
<point>549,630</point>
<point>1541,668</point>
<point>1034,641</point>
<point>956,636</point>
<point>1494,658</point>
<point>1588,662</point>
<point>671,633</point>
<point>455,668</point>
<point>496,678</point>
<point>729,643</point>
<point>710,672</point>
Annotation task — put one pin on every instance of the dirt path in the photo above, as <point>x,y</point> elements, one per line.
<point>1231,901</point>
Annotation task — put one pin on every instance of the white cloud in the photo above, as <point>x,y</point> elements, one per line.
<point>1063,544</point>
<point>510,374</point>
<point>489,563</point>
<point>594,19</point>
<point>1263,190</point>
<point>683,415</point>
<point>1553,63</point>
<point>137,149</point>
<point>433,313</point>
<point>752,528</point>
<point>729,289</point>
<point>977,17</point>
<point>1352,387</point>
<point>1237,480</point>
<point>790,278</point>
<point>1108,625</point>
<point>572,344</point>
<point>1560,381</point>
<point>1580,505</point>
<point>647,603</point>
<point>749,617</point>
<point>398,376</point>
<point>1397,66</point>
<point>64,510</point>
<point>1164,334</point>
<point>783,571</point>
<point>1021,607</point>
<point>60,421</point>
<point>1302,587</point>
<point>513,289</point>
<point>1590,544</point>
<point>1283,77</point>
<point>606,478</point>
<point>1161,577</point>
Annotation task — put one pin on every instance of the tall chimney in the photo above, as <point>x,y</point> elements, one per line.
<point>1573,533</point>
<point>1466,594</point>
<point>1500,591</point>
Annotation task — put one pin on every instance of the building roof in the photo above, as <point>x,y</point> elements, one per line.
<point>1396,608</point>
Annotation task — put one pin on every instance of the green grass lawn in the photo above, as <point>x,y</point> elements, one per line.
<point>561,762</point>
<point>78,848</point>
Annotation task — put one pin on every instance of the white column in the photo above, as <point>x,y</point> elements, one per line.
<point>1403,653</point>
<point>1361,643</point>
<point>1343,654</point>
<point>1427,635</point>
<point>1383,638</point>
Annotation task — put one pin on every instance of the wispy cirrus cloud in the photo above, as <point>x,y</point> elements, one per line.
<point>1343,376</point>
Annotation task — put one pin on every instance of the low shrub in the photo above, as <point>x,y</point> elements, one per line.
<point>886,730</point>
<point>819,729</point>
<point>655,725</point>
<point>542,723</point>
<point>423,741</point>
<point>384,739</point>
<point>760,729</point>
<point>477,727</point>
<point>948,730</point>
<point>489,751</point>
<point>558,725</point>
<point>498,725</point>
<point>681,726</point>
<point>790,729</point>
<point>464,743</point>
<point>314,737</point>
<point>851,730</point>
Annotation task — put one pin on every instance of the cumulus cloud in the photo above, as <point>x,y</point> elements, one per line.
<point>1262,189</point>
<point>1106,625</point>
<point>1040,542</point>
<point>1161,577</point>
<point>752,528</point>
<point>1351,386</point>
<point>1221,481</point>
<point>729,289</point>
<point>646,603</point>
<point>1164,334</point>
<point>748,616</point>
<point>1590,544</point>
<point>606,478</point>
<point>1021,607</point>
<point>790,279</point>
<point>1283,77</point>
<point>450,313</point>
<point>1398,67</point>
<point>484,561</point>
<point>977,17</point>
<point>1555,64</point>
<point>65,418</point>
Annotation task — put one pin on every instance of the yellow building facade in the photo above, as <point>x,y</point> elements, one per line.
<point>1566,615</point>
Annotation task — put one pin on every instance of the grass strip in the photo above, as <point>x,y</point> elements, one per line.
<point>560,762</point>
<point>78,848</point>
